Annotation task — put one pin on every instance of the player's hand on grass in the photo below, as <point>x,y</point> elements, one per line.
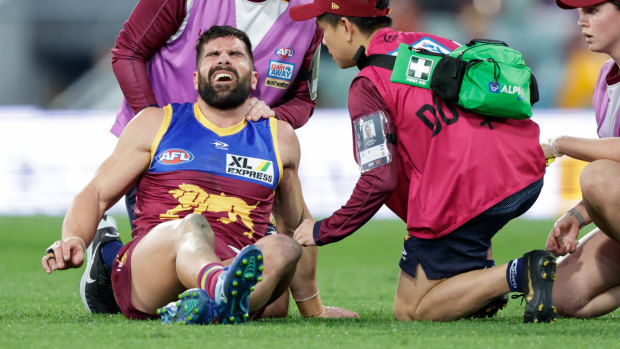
<point>303,234</point>
<point>258,110</point>
<point>338,313</point>
<point>563,237</point>
<point>64,254</point>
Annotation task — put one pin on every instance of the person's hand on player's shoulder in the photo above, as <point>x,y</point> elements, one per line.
<point>258,110</point>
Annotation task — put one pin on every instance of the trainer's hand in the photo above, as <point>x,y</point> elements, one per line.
<point>64,254</point>
<point>304,233</point>
<point>338,313</point>
<point>563,237</point>
<point>258,110</point>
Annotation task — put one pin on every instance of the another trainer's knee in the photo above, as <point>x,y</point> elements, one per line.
<point>401,313</point>
<point>404,311</point>
<point>596,184</point>
<point>575,306</point>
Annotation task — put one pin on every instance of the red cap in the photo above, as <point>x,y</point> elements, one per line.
<point>353,8</point>
<point>570,4</point>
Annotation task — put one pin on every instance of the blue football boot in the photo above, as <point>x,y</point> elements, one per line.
<point>236,283</point>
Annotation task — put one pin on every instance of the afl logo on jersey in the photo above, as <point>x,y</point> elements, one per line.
<point>285,52</point>
<point>175,157</point>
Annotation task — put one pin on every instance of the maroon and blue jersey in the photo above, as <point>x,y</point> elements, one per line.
<point>226,174</point>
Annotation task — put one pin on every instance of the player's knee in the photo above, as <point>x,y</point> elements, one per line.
<point>289,249</point>
<point>196,224</point>
<point>195,219</point>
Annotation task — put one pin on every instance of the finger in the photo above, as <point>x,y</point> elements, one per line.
<point>78,256</point>
<point>45,264</point>
<point>60,257</point>
<point>253,101</point>
<point>53,264</point>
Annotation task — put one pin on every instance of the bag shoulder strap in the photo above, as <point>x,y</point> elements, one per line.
<point>377,60</point>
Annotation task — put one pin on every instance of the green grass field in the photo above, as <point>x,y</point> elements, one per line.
<point>359,273</point>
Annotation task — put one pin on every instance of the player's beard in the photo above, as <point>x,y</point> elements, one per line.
<point>227,96</point>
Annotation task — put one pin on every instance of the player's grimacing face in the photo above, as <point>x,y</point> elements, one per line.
<point>600,24</point>
<point>225,76</point>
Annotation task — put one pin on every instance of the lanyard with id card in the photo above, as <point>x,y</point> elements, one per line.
<point>371,141</point>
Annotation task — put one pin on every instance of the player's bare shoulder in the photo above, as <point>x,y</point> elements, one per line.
<point>287,143</point>
<point>143,128</point>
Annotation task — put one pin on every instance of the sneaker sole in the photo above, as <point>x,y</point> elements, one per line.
<point>245,271</point>
<point>542,309</point>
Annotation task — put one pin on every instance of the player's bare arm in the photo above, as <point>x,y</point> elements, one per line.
<point>113,178</point>
<point>288,197</point>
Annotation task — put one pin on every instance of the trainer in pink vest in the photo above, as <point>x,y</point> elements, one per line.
<point>457,164</point>
<point>277,58</point>
<point>600,99</point>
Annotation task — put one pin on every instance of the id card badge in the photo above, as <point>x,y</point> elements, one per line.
<point>371,141</point>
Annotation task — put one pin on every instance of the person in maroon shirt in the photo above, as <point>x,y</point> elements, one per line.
<point>456,181</point>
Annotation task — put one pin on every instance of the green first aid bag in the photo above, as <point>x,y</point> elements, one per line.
<point>484,76</point>
<point>488,77</point>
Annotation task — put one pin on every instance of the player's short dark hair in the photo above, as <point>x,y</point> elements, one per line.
<point>366,25</point>
<point>221,31</point>
<point>616,3</point>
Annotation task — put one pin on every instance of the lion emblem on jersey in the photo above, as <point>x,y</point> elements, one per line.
<point>193,198</point>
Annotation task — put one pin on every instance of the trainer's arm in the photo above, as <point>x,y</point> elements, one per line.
<point>588,149</point>
<point>148,28</point>
<point>372,189</point>
<point>113,179</point>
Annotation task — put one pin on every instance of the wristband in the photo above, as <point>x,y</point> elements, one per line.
<point>573,212</point>
<point>79,238</point>
<point>554,148</point>
<point>311,306</point>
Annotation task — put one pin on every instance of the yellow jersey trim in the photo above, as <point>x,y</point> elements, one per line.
<point>162,130</point>
<point>273,126</point>
<point>218,130</point>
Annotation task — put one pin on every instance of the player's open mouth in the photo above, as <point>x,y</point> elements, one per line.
<point>223,77</point>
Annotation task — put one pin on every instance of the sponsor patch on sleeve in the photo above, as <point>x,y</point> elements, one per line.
<point>279,74</point>
<point>281,70</point>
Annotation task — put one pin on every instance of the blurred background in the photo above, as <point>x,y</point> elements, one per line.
<point>59,96</point>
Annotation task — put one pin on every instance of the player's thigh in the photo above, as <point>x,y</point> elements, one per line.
<point>410,292</point>
<point>154,278</point>
<point>591,270</point>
